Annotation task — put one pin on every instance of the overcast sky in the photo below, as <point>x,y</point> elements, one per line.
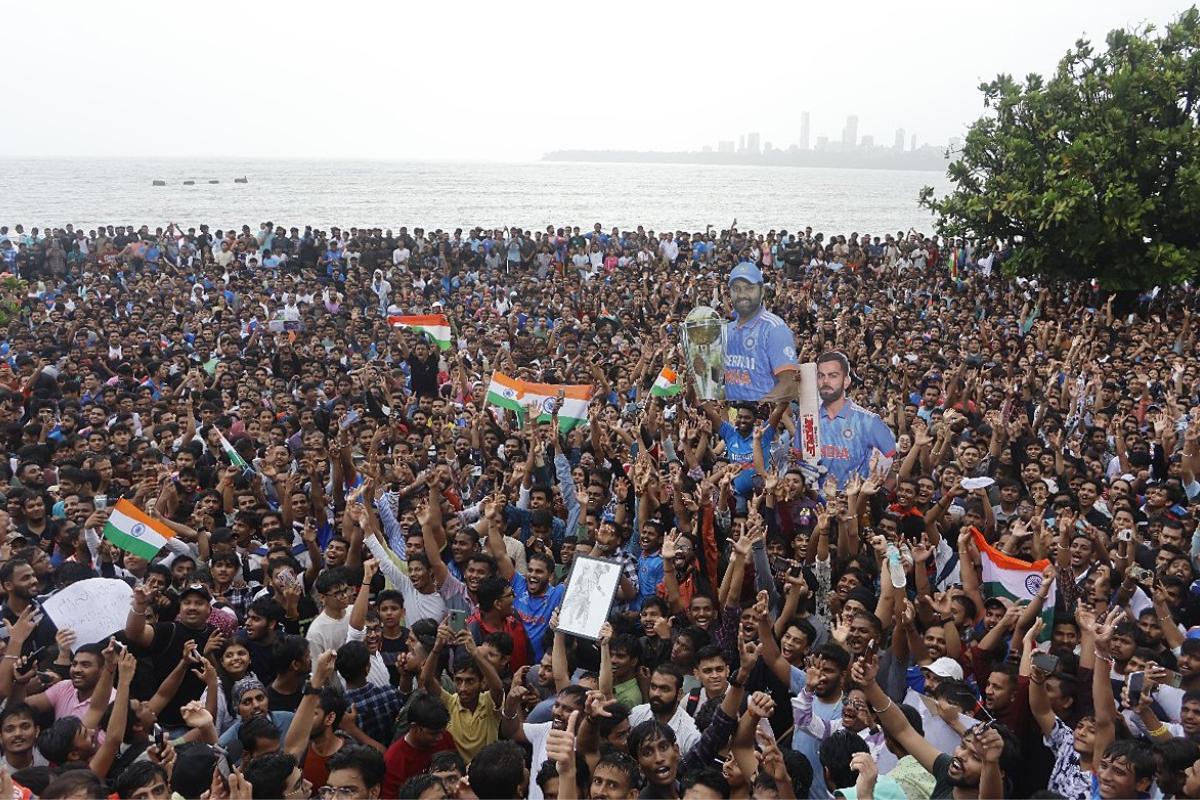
<point>509,81</point>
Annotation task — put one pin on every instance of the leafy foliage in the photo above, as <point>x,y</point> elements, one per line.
<point>1094,172</point>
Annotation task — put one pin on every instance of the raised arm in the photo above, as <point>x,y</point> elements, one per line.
<point>296,742</point>
<point>137,630</point>
<point>863,672</point>
<point>1102,692</point>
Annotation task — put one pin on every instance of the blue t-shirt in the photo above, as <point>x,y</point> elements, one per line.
<point>650,575</point>
<point>740,450</point>
<point>755,352</point>
<point>849,438</point>
<point>534,612</point>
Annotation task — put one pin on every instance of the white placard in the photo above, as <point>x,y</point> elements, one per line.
<point>94,609</point>
<point>591,588</point>
<point>971,484</point>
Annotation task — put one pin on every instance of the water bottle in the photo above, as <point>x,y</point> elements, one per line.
<point>895,567</point>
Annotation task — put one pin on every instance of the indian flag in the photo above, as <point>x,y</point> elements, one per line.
<point>1013,579</point>
<point>436,325</point>
<point>516,396</point>
<point>130,529</point>
<point>234,458</point>
<point>666,384</point>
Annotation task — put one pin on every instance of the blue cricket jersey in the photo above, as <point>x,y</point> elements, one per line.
<point>755,352</point>
<point>849,438</point>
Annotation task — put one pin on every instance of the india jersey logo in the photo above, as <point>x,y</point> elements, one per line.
<point>748,342</point>
<point>1033,583</point>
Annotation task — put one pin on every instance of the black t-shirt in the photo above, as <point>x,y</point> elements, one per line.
<point>424,375</point>
<point>277,701</point>
<point>166,650</point>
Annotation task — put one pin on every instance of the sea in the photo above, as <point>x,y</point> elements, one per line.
<point>443,194</point>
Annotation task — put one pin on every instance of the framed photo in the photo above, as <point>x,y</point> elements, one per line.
<point>591,588</point>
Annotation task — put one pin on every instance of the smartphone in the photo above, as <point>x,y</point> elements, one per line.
<point>458,621</point>
<point>1125,535</point>
<point>1140,574</point>
<point>1168,677</point>
<point>160,737</point>
<point>1046,662</point>
<point>101,502</point>
<point>1136,681</point>
<point>349,418</point>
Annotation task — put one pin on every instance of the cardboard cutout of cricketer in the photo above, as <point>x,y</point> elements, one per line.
<point>760,350</point>
<point>850,435</point>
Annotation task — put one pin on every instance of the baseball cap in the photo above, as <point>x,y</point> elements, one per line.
<point>946,668</point>
<point>1002,602</point>
<point>196,588</point>
<point>746,272</point>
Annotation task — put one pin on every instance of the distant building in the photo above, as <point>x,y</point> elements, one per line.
<point>899,139</point>
<point>706,148</point>
<point>752,143</point>
<point>725,146</point>
<point>850,133</point>
<point>822,143</point>
<point>741,143</point>
<point>867,141</point>
<point>804,119</point>
<point>914,142</point>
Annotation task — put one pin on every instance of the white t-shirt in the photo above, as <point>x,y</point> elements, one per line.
<point>327,633</point>
<point>536,733</point>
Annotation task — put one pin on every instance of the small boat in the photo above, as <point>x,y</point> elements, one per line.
<point>159,183</point>
<point>240,180</point>
<point>214,181</point>
<point>189,183</point>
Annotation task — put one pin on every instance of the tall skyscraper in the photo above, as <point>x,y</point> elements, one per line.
<point>752,143</point>
<point>804,120</point>
<point>850,133</point>
<point>741,142</point>
<point>899,139</point>
<point>914,142</point>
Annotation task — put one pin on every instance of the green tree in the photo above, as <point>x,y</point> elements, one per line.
<point>1094,172</point>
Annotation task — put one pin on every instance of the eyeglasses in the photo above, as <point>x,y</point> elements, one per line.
<point>336,792</point>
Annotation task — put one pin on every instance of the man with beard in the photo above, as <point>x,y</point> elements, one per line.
<point>513,725</point>
<point>739,439</point>
<point>666,694</point>
<point>850,434</point>
<point>163,642</point>
<point>980,765</point>
<point>20,583</point>
<point>760,350</point>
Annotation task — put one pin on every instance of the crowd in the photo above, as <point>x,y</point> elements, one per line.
<point>360,594</point>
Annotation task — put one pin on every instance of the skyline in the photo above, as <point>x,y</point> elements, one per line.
<point>433,82</point>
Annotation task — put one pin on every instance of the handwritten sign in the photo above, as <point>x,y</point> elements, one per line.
<point>94,609</point>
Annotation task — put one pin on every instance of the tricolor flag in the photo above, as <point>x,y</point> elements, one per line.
<point>666,384</point>
<point>436,325</point>
<point>516,395</point>
<point>234,457</point>
<point>130,529</point>
<point>1013,579</point>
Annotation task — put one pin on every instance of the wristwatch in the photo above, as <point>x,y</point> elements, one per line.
<point>309,689</point>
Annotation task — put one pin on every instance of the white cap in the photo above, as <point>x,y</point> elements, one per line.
<point>946,668</point>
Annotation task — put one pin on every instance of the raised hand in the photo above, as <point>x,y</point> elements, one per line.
<point>1105,629</point>
<point>760,705</point>
<point>195,715</point>
<point>671,544</point>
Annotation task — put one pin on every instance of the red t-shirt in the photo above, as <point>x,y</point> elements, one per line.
<point>403,761</point>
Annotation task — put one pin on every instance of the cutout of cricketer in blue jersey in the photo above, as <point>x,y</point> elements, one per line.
<point>850,434</point>
<point>760,350</point>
